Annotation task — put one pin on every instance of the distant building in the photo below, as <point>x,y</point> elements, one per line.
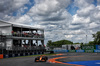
<point>20,37</point>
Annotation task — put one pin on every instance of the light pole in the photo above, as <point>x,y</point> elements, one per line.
<point>86,39</point>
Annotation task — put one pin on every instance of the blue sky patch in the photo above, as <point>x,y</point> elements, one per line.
<point>95,2</point>
<point>72,9</point>
<point>25,10</point>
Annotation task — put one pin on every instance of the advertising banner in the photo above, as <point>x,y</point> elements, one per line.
<point>60,50</point>
<point>79,50</point>
<point>64,51</point>
<point>55,50</point>
<point>71,50</point>
<point>90,51</point>
<point>96,50</point>
<point>88,47</point>
<point>98,47</point>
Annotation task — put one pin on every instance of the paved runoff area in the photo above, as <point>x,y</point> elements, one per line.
<point>62,59</point>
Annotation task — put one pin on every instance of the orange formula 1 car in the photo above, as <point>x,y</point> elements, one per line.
<point>41,58</point>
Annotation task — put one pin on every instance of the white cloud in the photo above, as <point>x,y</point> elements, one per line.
<point>55,19</point>
<point>68,36</point>
<point>87,14</point>
<point>83,3</point>
<point>7,7</point>
<point>24,19</point>
<point>98,2</point>
<point>53,15</point>
<point>86,19</point>
<point>93,25</point>
<point>49,10</point>
<point>11,5</point>
<point>77,32</point>
<point>86,10</point>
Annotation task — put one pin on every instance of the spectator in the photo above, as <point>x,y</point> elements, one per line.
<point>18,33</point>
<point>15,33</point>
<point>12,31</point>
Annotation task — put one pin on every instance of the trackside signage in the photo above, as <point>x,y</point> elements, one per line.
<point>90,51</point>
<point>71,50</point>
<point>98,47</point>
<point>64,50</point>
<point>60,50</point>
<point>79,50</point>
<point>88,47</point>
<point>96,50</point>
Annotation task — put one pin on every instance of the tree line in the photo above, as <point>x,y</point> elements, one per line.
<point>59,43</point>
<point>96,40</point>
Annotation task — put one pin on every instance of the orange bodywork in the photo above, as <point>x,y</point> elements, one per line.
<point>37,60</point>
<point>41,59</point>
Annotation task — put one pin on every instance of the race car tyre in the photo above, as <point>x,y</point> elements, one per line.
<point>46,58</point>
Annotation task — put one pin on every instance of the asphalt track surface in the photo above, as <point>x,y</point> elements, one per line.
<point>70,57</point>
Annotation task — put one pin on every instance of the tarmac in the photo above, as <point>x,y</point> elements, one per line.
<point>69,57</point>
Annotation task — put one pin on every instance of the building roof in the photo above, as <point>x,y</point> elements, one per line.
<point>20,25</point>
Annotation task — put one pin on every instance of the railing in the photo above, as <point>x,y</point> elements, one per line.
<point>28,35</point>
<point>24,35</point>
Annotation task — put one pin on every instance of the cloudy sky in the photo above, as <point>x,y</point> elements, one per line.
<point>61,19</point>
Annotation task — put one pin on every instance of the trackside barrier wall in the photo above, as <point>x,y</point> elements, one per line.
<point>17,55</point>
<point>64,50</point>
<point>87,51</point>
<point>85,48</point>
<point>60,50</point>
<point>98,47</point>
<point>79,50</point>
<point>1,56</point>
<point>72,50</point>
<point>96,50</point>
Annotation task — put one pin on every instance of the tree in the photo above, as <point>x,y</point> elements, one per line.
<point>77,43</point>
<point>58,43</point>
<point>91,43</point>
<point>49,43</point>
<point>96,38</point>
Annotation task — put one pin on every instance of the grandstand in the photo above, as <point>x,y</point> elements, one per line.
<point>19,39</point>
